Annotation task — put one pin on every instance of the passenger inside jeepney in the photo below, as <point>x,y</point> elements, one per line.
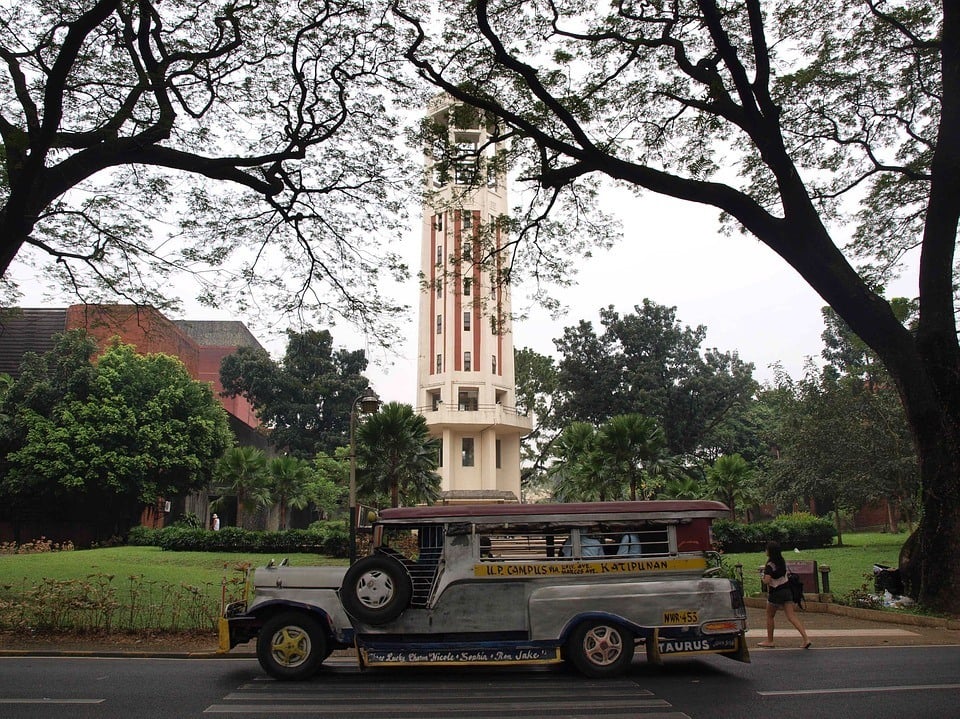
<point>629,546</point>
<point>589,547</point>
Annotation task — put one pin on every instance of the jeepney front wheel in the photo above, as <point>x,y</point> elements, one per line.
<point>599,648</point>
<point>292,646</point>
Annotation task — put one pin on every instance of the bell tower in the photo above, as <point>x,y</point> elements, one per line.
<point>466,387</point>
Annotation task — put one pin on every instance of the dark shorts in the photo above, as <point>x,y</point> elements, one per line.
<point>780,595</point>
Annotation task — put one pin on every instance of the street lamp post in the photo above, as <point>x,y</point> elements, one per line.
<point>367,403</point>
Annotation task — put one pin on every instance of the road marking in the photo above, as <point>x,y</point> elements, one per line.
<point>860,690</point>
<point>446,710</point>
<point>52,701</point>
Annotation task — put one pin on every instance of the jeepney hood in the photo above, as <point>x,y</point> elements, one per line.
<point>298,577</point>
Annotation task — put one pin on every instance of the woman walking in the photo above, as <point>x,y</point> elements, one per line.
<point>779,594</point>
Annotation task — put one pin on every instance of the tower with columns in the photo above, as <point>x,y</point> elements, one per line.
<point>465,377</point>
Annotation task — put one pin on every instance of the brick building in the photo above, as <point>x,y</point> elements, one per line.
<point>200,344</point>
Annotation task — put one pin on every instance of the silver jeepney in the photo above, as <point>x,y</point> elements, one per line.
<point>512,584</point>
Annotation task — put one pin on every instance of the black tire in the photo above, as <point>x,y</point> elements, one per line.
<point>599,648</point>
<point>292,646</point>
<point>376,589</point>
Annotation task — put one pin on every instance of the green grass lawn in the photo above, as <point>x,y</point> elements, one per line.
<point>137,588</point>
<point>126,588</point>
<point>848,564</point>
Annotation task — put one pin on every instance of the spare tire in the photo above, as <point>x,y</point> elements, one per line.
<point>376,589</point>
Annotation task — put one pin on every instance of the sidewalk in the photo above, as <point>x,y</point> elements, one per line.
<point>828,625</point>
<point>832,625</point>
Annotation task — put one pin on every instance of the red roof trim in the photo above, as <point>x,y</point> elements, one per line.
<point>456,511</point>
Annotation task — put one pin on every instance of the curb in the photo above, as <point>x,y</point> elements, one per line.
<point>890,616</point>
<point>115,654</point>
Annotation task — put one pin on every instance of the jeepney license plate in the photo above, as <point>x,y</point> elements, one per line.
<point>680,616</point>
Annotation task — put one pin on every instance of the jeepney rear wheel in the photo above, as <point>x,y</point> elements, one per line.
<point>292,646</point>
<point>599,648</point>
<point>376,589</point>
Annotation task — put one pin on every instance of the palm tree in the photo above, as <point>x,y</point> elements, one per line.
<point>626,444</point>
<point>243,471</point>
<point>728,480</point>
<point>397,455</point>
<point>681,488</point>
<point>290,484</point>
<point>576,472</point>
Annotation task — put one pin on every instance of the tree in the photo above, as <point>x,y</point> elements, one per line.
<point>626,443</point>
<point>261,131</point>
<point>624,458</point>
<point>576,472</point>
<point>110,437</point>
<point>647,363</point>
<point>243,472</point>
<point>785,118</point>
<point>728,479</point>
<point>536,382</point>
<point>305,399</point>
<point>397,456</point>
<point>291,484</point>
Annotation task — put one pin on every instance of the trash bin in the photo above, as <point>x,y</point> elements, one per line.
<point>887,579</point>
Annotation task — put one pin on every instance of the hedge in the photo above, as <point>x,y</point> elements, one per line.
<point>330,538</point>
<point>801,530</point>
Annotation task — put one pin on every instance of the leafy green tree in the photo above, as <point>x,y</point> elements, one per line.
<point>397,456</point>
<point>648,363</point>
<point>243,472</point>
<point>264,127</point>
<point>305,399</point>
<point>789,119</point>
<point>115,436</point>
<point>536,382</point>
<point>331,481</point>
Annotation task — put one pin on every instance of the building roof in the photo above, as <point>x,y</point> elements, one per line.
<point>28,329</point>
<point>218,333</point>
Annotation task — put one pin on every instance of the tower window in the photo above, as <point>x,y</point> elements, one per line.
<point>439,324</point>
<point>439,363</point>
<point>468,251</point>
<point>493,363</point>
<point>466,452</point>
<point>466,361</point>
<point>439,254</point>
<point>467,286</point>
<point>498,454</point>
<point>466,321</point>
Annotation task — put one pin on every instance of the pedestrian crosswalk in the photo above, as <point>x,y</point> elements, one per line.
<point>399,695</point>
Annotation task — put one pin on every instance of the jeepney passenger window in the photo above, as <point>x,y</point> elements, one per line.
<point>520,546</point>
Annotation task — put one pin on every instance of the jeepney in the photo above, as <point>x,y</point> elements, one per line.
<point>585,583</point>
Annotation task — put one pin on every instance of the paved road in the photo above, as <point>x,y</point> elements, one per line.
<point>878,682</point>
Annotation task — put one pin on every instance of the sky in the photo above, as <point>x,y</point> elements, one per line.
<point>674,254</point>
<point>671,252</point>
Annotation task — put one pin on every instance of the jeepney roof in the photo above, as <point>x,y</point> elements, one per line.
<point>572,511</point>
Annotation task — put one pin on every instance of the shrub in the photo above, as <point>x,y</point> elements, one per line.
<point>801,530</point>
<point>329,538</point>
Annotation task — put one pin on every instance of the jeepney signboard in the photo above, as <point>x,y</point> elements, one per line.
<point>567,568</point>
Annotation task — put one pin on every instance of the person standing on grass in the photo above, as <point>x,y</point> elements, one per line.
<point>779,594</point>
<point>216,523</point>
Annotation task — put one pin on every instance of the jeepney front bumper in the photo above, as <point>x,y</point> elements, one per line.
<point>236,627</point>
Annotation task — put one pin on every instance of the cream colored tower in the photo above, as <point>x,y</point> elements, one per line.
<point>466,388</point>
